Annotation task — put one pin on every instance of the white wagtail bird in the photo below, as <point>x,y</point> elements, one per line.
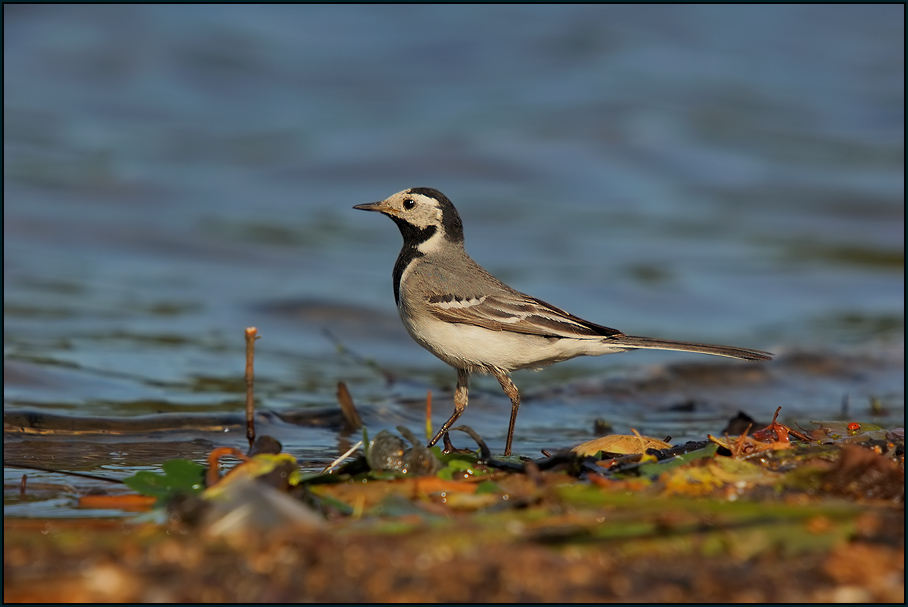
<point>474,322</point>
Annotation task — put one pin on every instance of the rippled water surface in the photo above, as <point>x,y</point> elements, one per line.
<point>174,174</point>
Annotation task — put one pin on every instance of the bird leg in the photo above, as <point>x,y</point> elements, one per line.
<point>460,403</point>
<point>511,390</point>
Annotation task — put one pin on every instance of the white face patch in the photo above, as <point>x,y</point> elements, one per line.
<point>426,211</point>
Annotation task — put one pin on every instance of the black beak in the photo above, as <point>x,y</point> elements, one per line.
<point>372,206</point>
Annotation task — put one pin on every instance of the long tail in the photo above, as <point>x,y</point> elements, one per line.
<point>685,346</point>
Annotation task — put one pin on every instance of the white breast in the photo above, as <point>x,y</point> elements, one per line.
<point>475,348</point>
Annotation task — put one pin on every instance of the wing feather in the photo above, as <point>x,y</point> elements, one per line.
<point>514,312</point>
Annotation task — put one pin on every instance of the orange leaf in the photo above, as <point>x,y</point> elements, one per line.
<point>132,502</point>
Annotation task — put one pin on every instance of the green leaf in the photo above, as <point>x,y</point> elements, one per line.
<point>488,487</point>
<point>458,467</point>
<point>180,476</point>
<point>655,469</point>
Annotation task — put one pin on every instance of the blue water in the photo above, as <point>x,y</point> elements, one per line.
<point>174,174</point>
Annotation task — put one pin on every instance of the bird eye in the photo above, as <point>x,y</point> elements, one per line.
<point>409,203</point>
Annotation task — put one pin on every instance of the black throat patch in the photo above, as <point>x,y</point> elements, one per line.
<point>413,237</point>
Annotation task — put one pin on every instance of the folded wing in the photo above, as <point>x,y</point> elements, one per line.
<point>514,312</point>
